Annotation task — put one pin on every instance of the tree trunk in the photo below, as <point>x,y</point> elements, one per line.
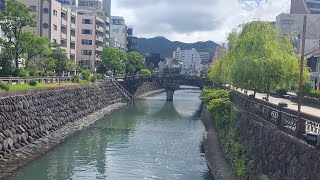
<point>254,92</point>
<point>268,93</point>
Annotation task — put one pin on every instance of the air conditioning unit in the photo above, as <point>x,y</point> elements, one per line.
<point>313,139</point>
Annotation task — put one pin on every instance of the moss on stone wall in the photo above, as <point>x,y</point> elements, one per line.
<point>218,102</point>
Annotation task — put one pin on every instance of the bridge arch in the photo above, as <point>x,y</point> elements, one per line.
<point>168,82</point>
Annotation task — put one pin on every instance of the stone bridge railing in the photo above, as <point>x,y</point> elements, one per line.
<point>278,115</point>
<point>39,79</point>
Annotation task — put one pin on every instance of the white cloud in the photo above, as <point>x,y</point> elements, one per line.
<point>190,21</point>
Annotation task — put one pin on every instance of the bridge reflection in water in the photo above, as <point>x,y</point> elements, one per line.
<point>149,139</point>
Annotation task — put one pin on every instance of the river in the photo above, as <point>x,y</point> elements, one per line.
<point>148,139</point>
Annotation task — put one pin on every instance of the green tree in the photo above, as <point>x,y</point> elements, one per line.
<point>113,59</point>
<point>61,60</point>
<point>258,58</point>
<point>34,45</point>
<point>134,62</point>
<point>13,19</point>
<point>151,66</point>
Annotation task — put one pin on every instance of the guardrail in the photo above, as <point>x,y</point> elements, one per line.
<point>40,79</point>
<point>278,115</point>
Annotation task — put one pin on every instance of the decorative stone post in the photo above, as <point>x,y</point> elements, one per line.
<point>170,95</point>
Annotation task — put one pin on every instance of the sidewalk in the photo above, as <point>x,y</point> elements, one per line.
<point>291,105</point>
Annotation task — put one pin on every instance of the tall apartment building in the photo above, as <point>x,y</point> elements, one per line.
<point>56,22</point>
<point>100,6</point>
<point>90,38</point>
<point>190,59</point>
<point>204,56</point>
<point>132,40</point>
<point>95,4</point>
<point>220,51</point>
<point>68,2</point>
<point>293,23</point>
<point>118,33</point>
<point>305,7</point>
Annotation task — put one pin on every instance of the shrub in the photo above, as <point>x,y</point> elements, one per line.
<point>208,94</point>
<point>23,73</point>
<point>315,94</point>
<point>93,79</point>
<point>281,91</point>
<point>32,82</point>
<point>49,73</point>
<point>76,78</point>
<point>85,75</point>
<point>145,72</point>
<point>4,86</point>
<point>99,76</point>
<point>306,89</point>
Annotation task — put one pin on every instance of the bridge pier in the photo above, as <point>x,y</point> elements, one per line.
<point>170,95</point>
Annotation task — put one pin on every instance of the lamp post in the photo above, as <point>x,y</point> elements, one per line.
<point>301,75</point>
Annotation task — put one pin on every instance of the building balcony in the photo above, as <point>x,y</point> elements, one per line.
<point>63,22</point>
<point>108,20</point>
<point>73,26</point>
<point>313,1</point>
<point>72,38</point>
<point>99,48</point>
<point>99,38</point>
<point>72,51</point>
<point>63,36</point>
<point>99,28</point>
<point>315,9</point>
<point>98,58</point>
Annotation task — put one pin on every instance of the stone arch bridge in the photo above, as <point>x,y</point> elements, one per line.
<point>168,82</point>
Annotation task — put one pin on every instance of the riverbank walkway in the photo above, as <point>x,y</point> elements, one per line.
<point>291,105</point>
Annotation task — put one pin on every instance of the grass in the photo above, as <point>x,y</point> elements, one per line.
<point>21,87</point>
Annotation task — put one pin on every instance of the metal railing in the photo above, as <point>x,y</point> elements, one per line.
<point>278,115</point>
<point>40,79</point>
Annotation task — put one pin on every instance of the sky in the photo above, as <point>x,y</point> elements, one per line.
<point>194,20</point>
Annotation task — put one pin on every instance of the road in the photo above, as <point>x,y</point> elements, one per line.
<point>291,105</point>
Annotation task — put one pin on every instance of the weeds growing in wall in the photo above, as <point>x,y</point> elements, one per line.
<point>218,102</point>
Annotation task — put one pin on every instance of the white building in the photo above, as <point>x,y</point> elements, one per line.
<point>190,59</point>
<point>118,33</point>
<point>204,56</point>
<point>293,23</point>
<point>305,7</point>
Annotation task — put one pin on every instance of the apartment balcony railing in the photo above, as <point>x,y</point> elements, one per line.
<point>99,48</point>
<point>73,26</point>
<point>99,28</point>
<point>63,36</point>
<point>63,22</point>
<point>72,38</point>
<point>72,51</point>
<point>99,38</point>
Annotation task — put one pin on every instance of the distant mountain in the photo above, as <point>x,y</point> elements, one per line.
<point>166,47</point>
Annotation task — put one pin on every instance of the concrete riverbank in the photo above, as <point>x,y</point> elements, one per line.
<point>214,154</point>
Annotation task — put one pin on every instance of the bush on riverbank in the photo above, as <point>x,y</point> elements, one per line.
<point>218,102</point>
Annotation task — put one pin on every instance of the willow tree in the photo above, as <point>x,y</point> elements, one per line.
<point>260,58</point>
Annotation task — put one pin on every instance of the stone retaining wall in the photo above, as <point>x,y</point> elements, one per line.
<point>23,119</point>
<point>275,153</point>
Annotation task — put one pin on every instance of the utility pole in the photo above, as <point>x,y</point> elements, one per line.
<point>303,41</point>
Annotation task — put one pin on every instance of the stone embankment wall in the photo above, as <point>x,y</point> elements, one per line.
<point>147,87</point>
<point>275,153</point>
<point>23,119</point>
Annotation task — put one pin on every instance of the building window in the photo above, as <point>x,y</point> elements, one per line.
<point>45,25</point>
<point>86,42</point>
<point>54,40</point>
<point>55,13</point>
<point>86,31</point>
<point>45,10</point>
<point>86,52</point>
<point>55,27</point>
<point>86,21</point>
<point>34,8</point>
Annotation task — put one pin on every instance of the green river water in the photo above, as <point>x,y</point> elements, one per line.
<point>148,139</point>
